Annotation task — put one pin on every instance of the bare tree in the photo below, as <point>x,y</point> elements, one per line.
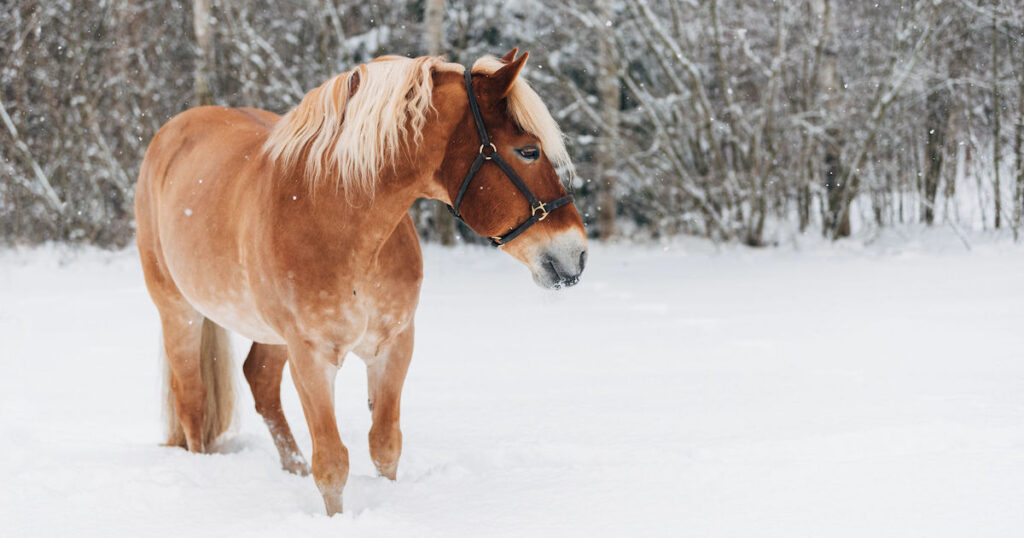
<point>607,158</point>
<point>996,114</point>
<point>722,119</point>
<point>433,32</point>
<point>1018,151</point>
<point>48,193</point>
<point>936,124</point>
<point>204,41</point>
<point>837,188</point>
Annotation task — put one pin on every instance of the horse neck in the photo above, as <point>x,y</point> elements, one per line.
<point>368,219</point>
<point>360,221</point>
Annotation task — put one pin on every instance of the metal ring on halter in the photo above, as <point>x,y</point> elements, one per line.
<point>490,155</point>
<point>542,207</point>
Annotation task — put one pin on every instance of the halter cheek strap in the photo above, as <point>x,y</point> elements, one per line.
<point>488,152</point>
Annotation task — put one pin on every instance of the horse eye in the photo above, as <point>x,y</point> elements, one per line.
<point>529,153</point>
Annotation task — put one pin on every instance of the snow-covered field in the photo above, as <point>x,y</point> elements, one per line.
<point>677,391</point>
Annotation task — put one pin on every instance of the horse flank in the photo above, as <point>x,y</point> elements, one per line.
<point>349,128</point>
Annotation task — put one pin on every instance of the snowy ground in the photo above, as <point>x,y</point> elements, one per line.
<point>819,391</point>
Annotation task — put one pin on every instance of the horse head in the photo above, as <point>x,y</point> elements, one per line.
<point>499,172</point>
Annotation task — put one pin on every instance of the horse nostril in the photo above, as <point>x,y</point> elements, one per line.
<point>583,260</point>
<point>554,269</point>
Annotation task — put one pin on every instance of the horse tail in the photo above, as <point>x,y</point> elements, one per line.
<point>215,366</point>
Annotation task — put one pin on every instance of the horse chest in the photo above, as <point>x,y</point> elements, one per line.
<point>361,319</point>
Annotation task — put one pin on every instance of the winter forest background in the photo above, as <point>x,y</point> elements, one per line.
<point>738,121</point>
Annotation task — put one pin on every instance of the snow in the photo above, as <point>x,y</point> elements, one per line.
<point>810,390</point>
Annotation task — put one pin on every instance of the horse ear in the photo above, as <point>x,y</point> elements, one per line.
<point>511,55</point>
<point>500,82</point>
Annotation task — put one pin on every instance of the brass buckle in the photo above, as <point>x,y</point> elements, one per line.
<point>542,207</point>
<point>487,156</point>
<point>496,239</point>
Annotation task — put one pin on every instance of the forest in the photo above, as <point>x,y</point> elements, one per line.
<point>741,122</point>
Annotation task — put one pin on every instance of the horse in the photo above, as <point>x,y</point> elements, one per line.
<point>293,231</point>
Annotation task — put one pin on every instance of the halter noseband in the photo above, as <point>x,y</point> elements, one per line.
<point>489,152</point>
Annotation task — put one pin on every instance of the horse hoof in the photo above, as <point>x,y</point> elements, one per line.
<point>389,471</point>
<point>299,469</point>
<point>296,465</point>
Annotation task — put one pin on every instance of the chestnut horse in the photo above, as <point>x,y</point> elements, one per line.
<point>294,232</point>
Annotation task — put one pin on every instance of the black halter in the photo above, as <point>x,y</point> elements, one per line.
<point>488,152</point>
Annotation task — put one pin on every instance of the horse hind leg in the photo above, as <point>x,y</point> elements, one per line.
<point>263,370</point>
<point>200,397</point>
<point>198,381</point>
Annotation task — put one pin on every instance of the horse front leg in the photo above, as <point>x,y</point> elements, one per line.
<point>385,378</point>
<point>313,371</point>
<point>263,370</point>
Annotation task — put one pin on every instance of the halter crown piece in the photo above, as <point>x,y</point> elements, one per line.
<point>489,152</point>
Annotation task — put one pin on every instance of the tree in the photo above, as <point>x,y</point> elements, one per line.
<point>719,119</point>
<point>607,158</point>
<point>204,41</point>
<point>433,32</point>
<point>996,114</point>
<point>837,218</point>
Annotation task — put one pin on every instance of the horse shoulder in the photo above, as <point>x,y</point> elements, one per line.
<point>403,255</point>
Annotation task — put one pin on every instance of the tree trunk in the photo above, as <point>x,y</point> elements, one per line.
<point>433,28</point>
<point>1018,151</point>
<point>803,203</point>
<point>937,105</point>
<point>996,117</point>
<point>607,158</point>
<point>837,222</point>
<point>204,64</point>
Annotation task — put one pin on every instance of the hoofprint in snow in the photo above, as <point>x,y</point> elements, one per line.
<point>677,391</point>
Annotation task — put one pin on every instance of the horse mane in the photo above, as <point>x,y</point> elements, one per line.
<point>355,123</point>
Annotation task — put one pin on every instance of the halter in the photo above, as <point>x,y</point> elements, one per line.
<point>489,152</point>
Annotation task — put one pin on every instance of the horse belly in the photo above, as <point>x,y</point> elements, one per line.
<point>219,290</point>
<point>234,311</point>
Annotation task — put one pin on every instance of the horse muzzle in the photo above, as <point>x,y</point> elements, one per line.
<point>560,264</point>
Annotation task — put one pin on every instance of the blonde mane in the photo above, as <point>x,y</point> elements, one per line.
<point>352,126</point>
